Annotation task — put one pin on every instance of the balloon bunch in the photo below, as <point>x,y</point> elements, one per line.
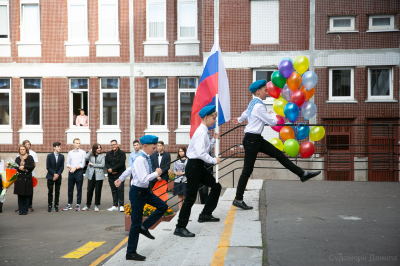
<point>292,86</point>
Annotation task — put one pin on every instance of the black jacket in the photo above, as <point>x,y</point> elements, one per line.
<point>24,185</point>
<point>53,167</point>
<point>115,161</point>
<point>165,160</point>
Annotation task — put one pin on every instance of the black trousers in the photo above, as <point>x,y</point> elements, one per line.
<point>253,144</point>
<point>75,178</point>
<point>117,192</point>
<point>92,185</point>
<point>50,185</point>
<point>196,173</point>
<point>23,203</point>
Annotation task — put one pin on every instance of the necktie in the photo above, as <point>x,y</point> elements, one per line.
<point>148,160</point>
<point>251,105</point>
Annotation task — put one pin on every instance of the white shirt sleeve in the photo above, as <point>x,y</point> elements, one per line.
<point>243,117</point>
<point>201,150</point>
<point>125,174</point>
<point>68,164</point>
<point>141,171</point>
<point>261,112</point>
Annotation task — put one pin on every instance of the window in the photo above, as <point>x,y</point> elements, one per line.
<point>338,24</point>
<point>341,84</point>
<point>108,20</point>
<point>187,19</point>
<point>156,20</point>
<point>266,74</point>
<point>264,28</point>
<point>157,98</point>
<point>79,90</point>
<point>77,21</point>
<point>32,102</point>
<point>4,21</point>
<point>384,22</point>
<point>109,100</point>
<point>380,84</point>
<point>187,91</point>
<point>30,20</point>
<point>5,103</point>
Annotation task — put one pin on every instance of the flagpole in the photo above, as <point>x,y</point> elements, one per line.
<point>216,39</point>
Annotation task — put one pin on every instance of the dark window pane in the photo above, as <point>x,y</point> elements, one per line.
<point>157,109</point>
<point>157,83</point>
<point>380,82</point>
<point>79,84</point>
<point>4,108</point>
<point>79,100</point>
<point>342,22</point>
<point>110,106</point>
<point>32,109</point>
<point>4,83</point>
<point>341,82</point>
<point>186,107</point>
<point>264,75</point>
<point>109,83</point>
<point>381,22</point>
<point>187,83</point>
<point>32,83</point>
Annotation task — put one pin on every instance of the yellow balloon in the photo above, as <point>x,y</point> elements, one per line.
<point>277,143</point>
<point>317,133</point>
<point>301,64</point>
<point>279,106</point>
<point>281,97</point>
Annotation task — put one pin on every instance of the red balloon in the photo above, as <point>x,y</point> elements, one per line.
<point>280,121</point>
<point>34,180</point>
<point>273,90</point>
<point>298,98</point>
<point>307,149</point>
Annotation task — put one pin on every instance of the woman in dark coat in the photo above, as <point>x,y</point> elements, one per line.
<point>23,186</point>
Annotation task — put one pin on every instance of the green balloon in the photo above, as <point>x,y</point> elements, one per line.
<point>278,80</point>
<point>291,147</point>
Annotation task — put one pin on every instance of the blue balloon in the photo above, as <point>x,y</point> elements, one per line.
<point>287,58</point>
<point>291,112</point>
<point>302,132</point>
<point>309,80</point>
<point>308,110</point>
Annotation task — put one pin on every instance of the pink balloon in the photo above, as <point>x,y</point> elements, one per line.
<point>280,121</point>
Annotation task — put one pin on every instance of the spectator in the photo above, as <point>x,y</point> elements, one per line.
<point>55,167</point>
<point>75,162</point>
<point>23,186</point>
<point>115,164</point>
<point>95,174</point>
<point>180,180</point>
<point>1,183</point>
<point>158,159</point>
<point>82,120</point>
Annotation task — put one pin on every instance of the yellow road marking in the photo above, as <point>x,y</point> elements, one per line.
<point>104,256</point>
<point>82,251</point>
<point>223,246</point>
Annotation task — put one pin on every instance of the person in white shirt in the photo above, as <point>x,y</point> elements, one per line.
<point>75,162</point>
<point>139,195</point>
<point>198,154</point>
<point>257,116</point>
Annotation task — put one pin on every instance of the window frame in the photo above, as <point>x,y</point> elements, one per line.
<point>165,103</point>
<point>71,103</point>
<point>7,4</point>
<point>269,100</point>
<point>24,91</point>
<point>148,2</point>
<point>101,102</point>
<point>178,20</point>
<point>102,39</point>
<point>86,38</point>
<point>179,101</point>
<point>381,98</point>
<point>381,28</point>
<point>29,2</point>
<point>341,98</point>
<point>342,29</point>
<point>9,91</point>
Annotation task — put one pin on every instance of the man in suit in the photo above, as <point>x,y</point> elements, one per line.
<point>55,167</point>
<point>158,159</point>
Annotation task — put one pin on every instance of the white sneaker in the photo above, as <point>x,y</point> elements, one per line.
<point>113,208</point>
<point>86,208</point>
<point>121,209</point>
<point>96,209</point>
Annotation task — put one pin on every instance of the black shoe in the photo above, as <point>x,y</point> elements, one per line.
<point>56,208</point>
<point>31,209</point>
<point>183,232</point>
<point>17,210</point>
<point>135,256</point>
<point>146,233</point>
<point>309,175</point>
<point>207,218</point>
<point>49,209</point>
<point>241,205</point>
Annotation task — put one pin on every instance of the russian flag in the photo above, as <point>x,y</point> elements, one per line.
<point>213,81</point>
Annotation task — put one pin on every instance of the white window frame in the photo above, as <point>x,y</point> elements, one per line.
<point>165,105</point>
<point>85,40</point>
<point>101,103</point>
<point>7,4</point>
<point>24,91</point>
<point>148,2</point>
<point>109,40</point>
<point>71,103</point>
<point>9,103</point>
<point>381,98</point>
<point>342,29</point>
<point>29,2</point>
<point>381,28</point>
<point>178,20</point>
<point>179,101</point>
<point>268,100</point>
<point>341,98</point>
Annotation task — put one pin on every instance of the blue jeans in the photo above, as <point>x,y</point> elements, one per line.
<point>139,197</point>
<point>75,178</point>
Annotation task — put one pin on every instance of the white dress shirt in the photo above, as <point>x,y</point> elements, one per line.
<point>35,158</point>
<point>76,158</point>
<point>160,155</point>
<point>258,118</point>
<point>200,145</point>
<point>140,172</point>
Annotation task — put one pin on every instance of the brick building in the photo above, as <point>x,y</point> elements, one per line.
<point>134,66</point>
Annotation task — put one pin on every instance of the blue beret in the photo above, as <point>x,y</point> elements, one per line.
<point>148,139</point>
<point>256,85</point>
<point>207,110</point>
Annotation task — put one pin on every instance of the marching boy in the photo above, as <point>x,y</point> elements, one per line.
<point>198,154</point>
<point>139,195</point>
<point>257,116</point>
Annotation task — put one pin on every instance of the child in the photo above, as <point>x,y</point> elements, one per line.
<point>139,195</point>
<point>197,154</point>
<point>257,116</point>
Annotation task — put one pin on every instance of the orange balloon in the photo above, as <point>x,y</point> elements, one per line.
<point>294,81</point>
<point>309,94</point>
<point>286,133</point>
